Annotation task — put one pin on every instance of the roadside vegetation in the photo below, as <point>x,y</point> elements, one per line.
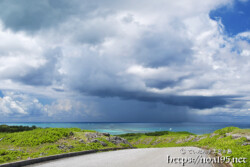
<point>10,129</point>
<point>17,144</point>
<point>230,141</point>
<point>39,142</point>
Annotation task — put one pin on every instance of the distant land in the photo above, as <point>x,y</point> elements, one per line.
<point>22,143</point>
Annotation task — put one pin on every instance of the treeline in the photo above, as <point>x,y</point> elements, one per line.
<point>157,133</point>
<point>10,129</point>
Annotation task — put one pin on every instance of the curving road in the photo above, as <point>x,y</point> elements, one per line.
<point>148,157</point>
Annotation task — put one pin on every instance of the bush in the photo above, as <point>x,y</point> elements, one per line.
<point>37,136</point>
<point>160,133</point>
<point>11,129</point>
<point>225,130</point>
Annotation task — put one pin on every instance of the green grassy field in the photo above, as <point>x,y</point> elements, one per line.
<point>219,140</point>
<point>49,141</point>
<point>37,142</point>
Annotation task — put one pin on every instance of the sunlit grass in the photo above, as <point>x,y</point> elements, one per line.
<point>44,142</point>
<point>218,141</point>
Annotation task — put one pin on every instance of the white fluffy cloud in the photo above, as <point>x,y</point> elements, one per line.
<point>69,107</point>
<point>19,105</point>
<point>140,50</point>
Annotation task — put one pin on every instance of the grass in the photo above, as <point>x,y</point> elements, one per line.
<point>40,142</point>
<point>44,142</point>
<point>218,141</point>
<point>226,130</point>
<point>36,137</point>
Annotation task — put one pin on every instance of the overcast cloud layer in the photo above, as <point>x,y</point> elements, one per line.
<point>139,61</point>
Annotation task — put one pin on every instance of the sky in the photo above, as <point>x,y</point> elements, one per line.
<point>124,61</point>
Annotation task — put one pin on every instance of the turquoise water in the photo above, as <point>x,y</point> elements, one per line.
<point>121,128</point>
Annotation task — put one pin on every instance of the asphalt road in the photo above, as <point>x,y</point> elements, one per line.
<point>148,157</point>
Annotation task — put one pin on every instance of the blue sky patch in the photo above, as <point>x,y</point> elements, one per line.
<point>235,18</point>
<point>1,94</point>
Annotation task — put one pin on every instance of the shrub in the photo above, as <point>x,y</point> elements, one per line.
<point>225,130</point>
<point>11,129</point>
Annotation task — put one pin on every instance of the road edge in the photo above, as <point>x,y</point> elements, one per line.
<point>58,156</point>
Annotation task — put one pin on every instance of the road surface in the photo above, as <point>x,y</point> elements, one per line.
<point>148,157</point>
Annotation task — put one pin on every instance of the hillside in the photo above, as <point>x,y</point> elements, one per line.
<point>50,141</point>
<point>39,142</point>
<point>230,141</point>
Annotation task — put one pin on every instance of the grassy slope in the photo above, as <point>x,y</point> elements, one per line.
<point>45,142</point>
<point>217,140</point>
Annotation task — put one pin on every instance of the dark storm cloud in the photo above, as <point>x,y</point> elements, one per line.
<point>58,90</point>
<point>140,59</point>
<point>32,15</point>
<point>115,109</point>
<point>196,102</point>
<point>161,84</point>
<point>167,83</point>
<point>156,49</point>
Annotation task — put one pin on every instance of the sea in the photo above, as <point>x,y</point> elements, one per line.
<point>122,128</point>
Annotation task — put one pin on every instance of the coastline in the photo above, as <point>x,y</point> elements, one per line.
<point>116,128</point>
<point>44,142</point>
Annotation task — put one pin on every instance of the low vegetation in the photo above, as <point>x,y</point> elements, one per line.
<point>17,144</point>
<point>41,142</point>
<point>10,129</point>
<point>230,141</point>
